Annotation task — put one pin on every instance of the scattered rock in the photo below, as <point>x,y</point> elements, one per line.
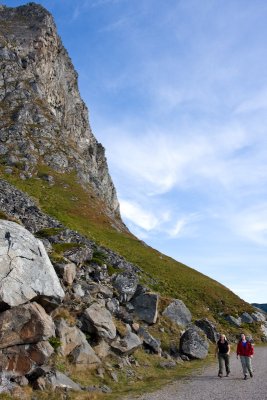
<point>167,364</point>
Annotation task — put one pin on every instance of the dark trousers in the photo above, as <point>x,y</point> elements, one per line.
<point>223,360</point>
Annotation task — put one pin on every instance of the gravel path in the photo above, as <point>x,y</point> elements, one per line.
<point>205,385</point>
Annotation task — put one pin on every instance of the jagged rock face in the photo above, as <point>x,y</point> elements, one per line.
<point>42,117</point>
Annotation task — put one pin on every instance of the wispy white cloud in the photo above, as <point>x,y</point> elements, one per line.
<point>185,225</point>
<point>160,161</point>
<point>133,212</point>
<point>145,221</point>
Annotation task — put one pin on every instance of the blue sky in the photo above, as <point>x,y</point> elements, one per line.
<point>177,94</point>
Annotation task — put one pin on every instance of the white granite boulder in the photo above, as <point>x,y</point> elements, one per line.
<point>26,272</point>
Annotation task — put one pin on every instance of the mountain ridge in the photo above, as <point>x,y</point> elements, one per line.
<point>43,118</point>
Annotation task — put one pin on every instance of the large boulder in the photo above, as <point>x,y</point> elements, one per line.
<point>28,323</point>
<point>194,343</point>
<point>146,307</point>
<point>178,313</point>
<point>26,272</point>
<point>97,318</point>
<point>209,329</point>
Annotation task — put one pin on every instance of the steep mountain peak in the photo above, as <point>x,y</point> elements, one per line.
<point>43,120</point>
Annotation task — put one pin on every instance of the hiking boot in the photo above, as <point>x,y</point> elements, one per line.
<point>219,375</point>
<point>251,374</point>
<point>245,377</point>
<point>227,373</point>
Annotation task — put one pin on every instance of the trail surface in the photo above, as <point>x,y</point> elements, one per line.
<point>205,385</point>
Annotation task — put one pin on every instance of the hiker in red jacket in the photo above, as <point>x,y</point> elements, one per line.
<point>245,350</point>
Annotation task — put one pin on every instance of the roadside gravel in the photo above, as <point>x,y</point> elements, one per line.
<point>205,385</point>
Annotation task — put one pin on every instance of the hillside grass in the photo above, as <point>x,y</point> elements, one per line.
<point>81,210</point>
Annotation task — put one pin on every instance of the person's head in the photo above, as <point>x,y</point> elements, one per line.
<point>242,337</point>
<point>222,337</point>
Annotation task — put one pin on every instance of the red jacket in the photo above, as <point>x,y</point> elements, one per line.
<point>247,350</point>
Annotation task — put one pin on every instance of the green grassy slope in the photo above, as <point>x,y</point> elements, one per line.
<point>80,210</point>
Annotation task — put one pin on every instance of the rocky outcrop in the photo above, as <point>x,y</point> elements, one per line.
<point>42,117</point>
<point>26,272</point>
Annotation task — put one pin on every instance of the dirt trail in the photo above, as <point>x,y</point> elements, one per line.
<point>205,385</point>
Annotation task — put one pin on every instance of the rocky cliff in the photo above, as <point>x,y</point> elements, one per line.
<point>42,117</point>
